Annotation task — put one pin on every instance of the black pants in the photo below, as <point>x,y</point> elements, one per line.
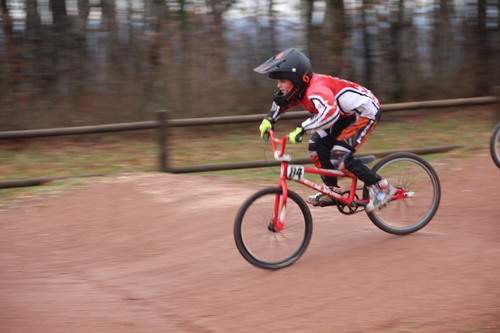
<point>347,134</point>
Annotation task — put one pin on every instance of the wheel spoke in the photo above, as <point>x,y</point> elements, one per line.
<point>416,207</point>
<point>264,246</point>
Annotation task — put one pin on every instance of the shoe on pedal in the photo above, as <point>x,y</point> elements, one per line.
<point>320,198</point>
<point>380,195</point>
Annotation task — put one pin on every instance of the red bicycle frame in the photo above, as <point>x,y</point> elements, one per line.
<point>296,173</point>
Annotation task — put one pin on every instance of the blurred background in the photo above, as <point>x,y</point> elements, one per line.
<point>85,62</point>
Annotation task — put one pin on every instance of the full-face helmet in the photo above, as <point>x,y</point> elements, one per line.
<point>289,64</point>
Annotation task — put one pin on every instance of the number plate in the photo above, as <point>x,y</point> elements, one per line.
<point>295,172</point>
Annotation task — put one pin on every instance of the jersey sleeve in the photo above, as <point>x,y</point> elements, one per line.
<point>359,100</point>
<point>326,113</point>
<point>276,111</point>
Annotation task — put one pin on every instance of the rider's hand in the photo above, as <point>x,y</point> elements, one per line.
<point>265,126</point>
<point>296,135</point>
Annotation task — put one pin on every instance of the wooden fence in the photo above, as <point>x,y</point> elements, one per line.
<point>163,123</point>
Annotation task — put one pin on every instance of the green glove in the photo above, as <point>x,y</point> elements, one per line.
<point>296,135</point>
<point>265,126</point>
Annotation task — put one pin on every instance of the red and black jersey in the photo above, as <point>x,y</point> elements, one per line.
<point>329,98</point>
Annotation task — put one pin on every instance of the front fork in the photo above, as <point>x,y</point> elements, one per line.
<point>278,221</point>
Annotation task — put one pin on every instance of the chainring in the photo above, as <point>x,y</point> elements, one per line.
<point>346,209</point>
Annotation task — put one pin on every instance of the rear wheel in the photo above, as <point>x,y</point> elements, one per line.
<point>419,189</point>
<point>256,239</point>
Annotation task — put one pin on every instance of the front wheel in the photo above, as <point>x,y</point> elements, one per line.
<point>495,145</point>
<point>256,238</point>
<point>417,200</point>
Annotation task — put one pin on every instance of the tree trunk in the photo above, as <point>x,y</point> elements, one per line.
<point>304,29</point>
<point>59,14</point>
<point>367,43</point>
<point>482,49</point>
<point>396,47</point>
<point>335,31</point>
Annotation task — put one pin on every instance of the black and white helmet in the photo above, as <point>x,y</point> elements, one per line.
<point>289,64</point>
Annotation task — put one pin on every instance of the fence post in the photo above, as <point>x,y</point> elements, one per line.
<point>162,137</point>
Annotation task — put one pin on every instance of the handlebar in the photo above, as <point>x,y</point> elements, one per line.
<point>278,154</point>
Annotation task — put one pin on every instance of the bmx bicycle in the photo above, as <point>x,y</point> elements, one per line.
<point>495,145</point>
<point>273,227</point>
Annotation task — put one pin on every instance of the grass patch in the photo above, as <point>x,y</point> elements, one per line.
<point>105,153</point>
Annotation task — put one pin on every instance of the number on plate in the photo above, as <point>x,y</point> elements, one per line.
<point>295,172</point>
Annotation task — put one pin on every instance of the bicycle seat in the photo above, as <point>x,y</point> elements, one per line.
<point>365,159</point>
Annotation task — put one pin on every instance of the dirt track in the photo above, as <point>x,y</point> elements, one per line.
<point>155,253</point>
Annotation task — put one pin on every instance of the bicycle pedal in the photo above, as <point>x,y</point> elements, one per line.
<point>330,203</point>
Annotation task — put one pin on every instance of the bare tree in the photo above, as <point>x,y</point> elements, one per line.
<point>366,11</point>
<point>305,25</point>
<point>482,48</point>
<point>59,14</point>
<point>216,33</point>
<point>8,58</point>
<point>396,47</point>
<point>118,61</point>
<point>441,42</point>
<point>335,34</point>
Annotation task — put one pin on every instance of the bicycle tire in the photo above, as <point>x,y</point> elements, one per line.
<point>263,247</point>
<point>495,145</point>
<point>414,174</point>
